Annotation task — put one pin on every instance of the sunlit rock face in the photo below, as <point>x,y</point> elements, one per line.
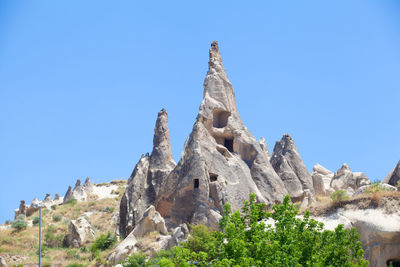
<point>221,163</point>
<point>146,179</point>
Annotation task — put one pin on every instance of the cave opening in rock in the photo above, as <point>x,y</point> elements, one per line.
<point>228,143</point>
<point>395,262</point>
<point>220,118</point>
<point>196,183</point>
<point>213,177</point>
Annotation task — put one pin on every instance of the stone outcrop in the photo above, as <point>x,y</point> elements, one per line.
<point>79,231</point>
<point>290,167</point>
<point>322,178</point>
<point>378,226</point>
<point>3,262</point>
<point>151,221</point>
<point>58,200</point>
<point>147,177</point>
<point>47,201</point>
<point>21,210</point>
<point>33,207</point>
<point>221,162</point>
<point>393,177</point>
<point>78,193</point>
<point>382,187</point>
<point>88,186</point>
<point>345,179</point>
<point>264,147</point>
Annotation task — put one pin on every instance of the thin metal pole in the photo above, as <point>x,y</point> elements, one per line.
<point>40,235</point>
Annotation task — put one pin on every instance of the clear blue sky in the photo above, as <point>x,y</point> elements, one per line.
<point>81,83</point>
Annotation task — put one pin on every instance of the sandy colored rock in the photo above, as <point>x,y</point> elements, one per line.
<point>221,162</point>
<point>3,262</point>
<point>344,179</point>
<point>78,193</point>
<point>393,177</point>
<point>322,178</point>
<point>147,177</point>
<point>150,222</point>
<point>88,186</point>
<point>79,231</point>
<point>289,166</point>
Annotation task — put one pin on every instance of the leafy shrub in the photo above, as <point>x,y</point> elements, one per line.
<point>75,265</point>
<point>135,260</point>
<point>35,220</point>
<point>53,207</point>
<point>375,188</point>
<point>20,217</point>
<point>51,239</point>
<point>339,196</point>
<point>201,239</point>
<point>46,264</point>
<point>109,209</point>
<point>73,254</point>
<point>57,217</point>
<point>246,240</point>
<point>19,225</point>
<point>103,242</point>
<point>45,212</point>
<point>71,202</point>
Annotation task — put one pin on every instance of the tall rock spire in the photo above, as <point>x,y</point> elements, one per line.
<point>221,163</point>
<point>147,177</point>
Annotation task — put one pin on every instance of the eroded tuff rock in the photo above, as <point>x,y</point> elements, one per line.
<point>21,210</point>
<point>146,179</point>
<point>290,167</point>
<point>47,201</point>
<point>221,162</point>
<point>79,231</point>
<point>394,176</point>
<point>78,193</point>
<point>322,178</point>
<point>88,186</point>
<point>345,179</point>
<point>151,221</point>
<point>3,262</point>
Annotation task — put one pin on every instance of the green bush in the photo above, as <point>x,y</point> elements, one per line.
<point>246,240</point>
<point>19,225</point>
<point>135,260</point>
<point>103,242</point>
<point>73,254</point>
<point>52,239</point>
<point>71,202</point>
<point>339,196</point>
<point>75,265</point>
<point>109,209</point>
<point>21,217</point>
<point>57,217</point>
<point>53,207</point>
<point>201,239</point>
<point>35,220</point>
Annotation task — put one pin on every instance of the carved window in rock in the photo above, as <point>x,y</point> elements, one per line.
<point>213,177</point>
<point>220,118</point>
<point>228,143</point>
<point>196,183</point>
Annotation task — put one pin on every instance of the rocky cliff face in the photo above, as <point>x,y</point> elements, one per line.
<point>290,167</point>
<point>147,177</point>
<point>222,162</point>
<point>394,176</point>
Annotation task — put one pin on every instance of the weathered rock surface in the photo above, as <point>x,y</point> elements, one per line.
<point>78,193</point>
<point>264,147</point>
<point>379,231</point>
<point>21,210</point>
<point>345,179</point>
<point>150,222</point>
<point>88,186</point>
<point>322,178</point>
<point>290,167</point>
<point>147,177</point>
<point>221,162</point>
<point>394,176</point>
<point>383,187</point>
<point>3,262</point>
<point>79,231</point>
<point>47,201</point>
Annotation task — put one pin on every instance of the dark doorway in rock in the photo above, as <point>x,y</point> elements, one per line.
<point>220,118</point>
<point>213,177</point>
<point>228,143</point>
<point>395,263</point>
<point>196,183</point>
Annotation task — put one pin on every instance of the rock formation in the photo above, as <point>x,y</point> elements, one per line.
<point>88,185</point>
<point>393,177</point>
<point>322,178</point>
<point>79,231</point>
<point>21,210</point>
<point>345,179</point>
<point>3,262</point>
<point>147,177</point>
<point>78,193</point>
<point>290,167</point>
<point>47,201</point>
<point>221,163</point>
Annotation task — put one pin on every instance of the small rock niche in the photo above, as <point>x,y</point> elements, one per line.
<point>196,183</point>
<point>395,262</point>
<point>213,177</point>
<point>228,143</point>
<point>220,118</point>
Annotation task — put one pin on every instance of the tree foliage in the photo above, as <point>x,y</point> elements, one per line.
<point>254,237</point>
